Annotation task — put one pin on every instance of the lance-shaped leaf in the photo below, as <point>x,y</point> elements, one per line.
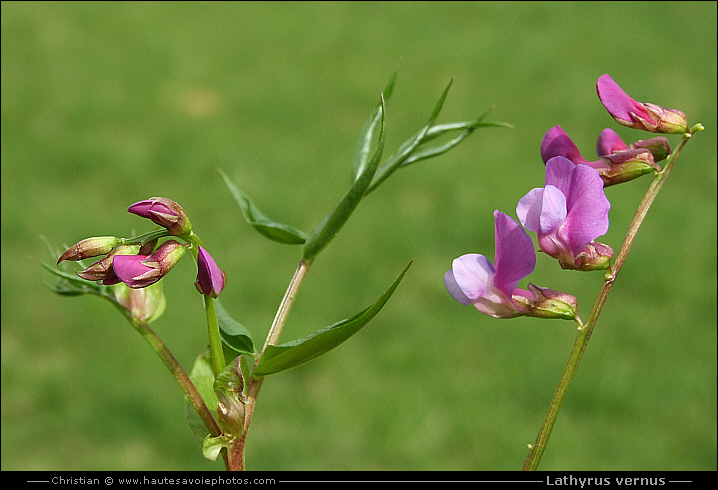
<point>71,285</point>
<point>285,356</point>
<point>415,148</point>
<point>271,229</point>
<point>233,333</point>
<point>363,151</point>
<point>466,129</point>
<point>332,223</point>
<point>405,149</point>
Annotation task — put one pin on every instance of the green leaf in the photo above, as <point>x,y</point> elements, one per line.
<point>281,357</point>
<point>233,333</point>
<point>395,161</point>
<point>434,132</point>
<point>203,379</point>
<point>271,229</point>
<point>332,223</point>
<point>71,281</point>
<point>363,152</point>
<point>229,389</point>
<point>212,446</point>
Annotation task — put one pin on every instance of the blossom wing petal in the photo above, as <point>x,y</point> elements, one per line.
<point>553,209</point>
<point>469,278</point>
<point>528,209</point>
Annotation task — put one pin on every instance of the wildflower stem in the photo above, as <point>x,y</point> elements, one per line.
<point>215,342</point>
<point>272,338</point>
<point>584,334</point>
<point>178,372</point>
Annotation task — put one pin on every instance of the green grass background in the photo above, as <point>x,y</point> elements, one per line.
<point>105,104</point>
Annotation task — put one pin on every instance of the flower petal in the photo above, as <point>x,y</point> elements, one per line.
<point>609,142</point>
<point>619,104</point>
<point>515,257</point>
<point>559,173</point>
<point>553,209</point>
<point>210,279</point>
<point>469,278</point>
<point>588,207</point>
<point>131,270</point>
<point>557,143</point>
<point>528,209</point>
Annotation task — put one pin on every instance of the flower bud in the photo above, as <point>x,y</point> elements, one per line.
<point>139,271</point>
<point>658,146</point>
<point>547,303</point>
<point>145,304</point>
<point>90,247</point>
<point>102,269</point>
<point>625,165</point>
<point>164,212</point>
<point>147,248</point>
<point>210,279</point>
<point>633,114</point>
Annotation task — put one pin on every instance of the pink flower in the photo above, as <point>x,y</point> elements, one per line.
<point>633,114</point>
<point>492,290</point>
<point>102,270</point>
<point>568,213</point>
<point>210,279</point>
<point>164,212</point>
<point>617,161</point>
<point>139,271</point>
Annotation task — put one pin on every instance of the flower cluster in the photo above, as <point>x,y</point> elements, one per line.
<point>141,262</point>
<point>567,214</point>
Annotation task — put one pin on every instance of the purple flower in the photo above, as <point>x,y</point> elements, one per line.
<point>633,114</point>
<point>139,271</point>
<point>568,213</point>
<point>210,279</point>
<point>617,162</point>
<point>164,212</point>
<point>473,280</point>
<point>102,271</point>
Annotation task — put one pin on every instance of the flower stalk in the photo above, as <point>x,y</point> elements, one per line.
<point>584,332</point>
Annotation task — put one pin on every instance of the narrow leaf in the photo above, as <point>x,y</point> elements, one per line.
<point>467,129</point>
<point>332,223</point>
<point>71,278</point>
<point>281,357</point>
<point>395,161</point>
<point>362,153</point>
<point>271,229</point>
<point>233,333</point>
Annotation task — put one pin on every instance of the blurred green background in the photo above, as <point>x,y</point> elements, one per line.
<point>105,104</point>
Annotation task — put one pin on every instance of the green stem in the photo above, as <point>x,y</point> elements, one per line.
<point>210,309</point>
<point>584,334</point>
<point>179,374</point>
<point>215,342</point>
<point>177,371</point>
